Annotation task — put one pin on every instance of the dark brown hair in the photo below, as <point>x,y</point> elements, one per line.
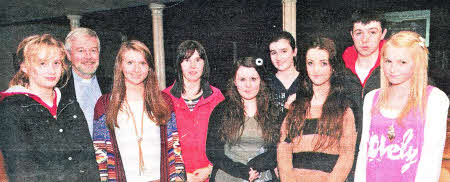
<point>155,106</point>
<point>330,123</point>
<point>233,114</point>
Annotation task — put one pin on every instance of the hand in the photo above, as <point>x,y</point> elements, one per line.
<point>253,174</point>
<point>200,174</point>
<point>290,99</point>
<point>276,172</point>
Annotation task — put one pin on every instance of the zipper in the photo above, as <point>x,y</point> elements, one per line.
<point>71,101</point>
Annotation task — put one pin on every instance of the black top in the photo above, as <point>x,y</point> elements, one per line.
<point>279,93</point>
<point>310,126</point>
<point>314,161</point>
<point>215,151</point>
<point>38,147</point>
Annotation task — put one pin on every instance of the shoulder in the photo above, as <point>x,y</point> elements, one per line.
<point>14,100</point>
<point>270,77</point>
<point>167,91</point>
<point>437,98</point>
<point>221,108</point>
<point>218,113</point>
<point>438,94</point>
<point>101,105</point>
<point>217,94</point>
<point>369,96</point>
<point>348,113</point>
<point>350,55</point>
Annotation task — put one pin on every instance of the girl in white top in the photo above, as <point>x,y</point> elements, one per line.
<point>136,111</point>
<point>404,121</point>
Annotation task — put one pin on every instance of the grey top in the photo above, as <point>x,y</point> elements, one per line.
<point>250,145</point>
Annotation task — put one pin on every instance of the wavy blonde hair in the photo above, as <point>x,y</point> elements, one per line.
<point>419,81</point>
<point>27,55</point>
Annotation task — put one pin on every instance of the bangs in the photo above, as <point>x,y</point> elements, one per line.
<point>44,52</point>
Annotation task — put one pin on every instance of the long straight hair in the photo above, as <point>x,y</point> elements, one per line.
<point>184,51</point>
<point>154,104</point>
<point>234,116</point>
<point>330,123</point>
<point>419,81</point>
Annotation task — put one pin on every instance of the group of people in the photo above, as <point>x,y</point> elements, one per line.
<point>370,116</point>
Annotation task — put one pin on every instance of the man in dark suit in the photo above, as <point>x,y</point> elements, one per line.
<point>83,51</point>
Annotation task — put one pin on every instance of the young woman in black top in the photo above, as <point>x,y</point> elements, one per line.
<point>243,130</point>
<point>318,134</point>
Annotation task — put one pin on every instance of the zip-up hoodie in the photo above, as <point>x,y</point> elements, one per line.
<point>372,81</point>
<point>45,143</point>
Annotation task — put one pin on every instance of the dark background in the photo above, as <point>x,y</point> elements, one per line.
<point>247,25</point>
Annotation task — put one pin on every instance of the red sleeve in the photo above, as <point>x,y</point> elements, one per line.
<point>168,100</point>
<point>101,105</point>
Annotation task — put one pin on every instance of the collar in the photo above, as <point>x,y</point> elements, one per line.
<point>350,56</point>
<point>20,90</point>
<point>78,79</point>
<point>178,88</point>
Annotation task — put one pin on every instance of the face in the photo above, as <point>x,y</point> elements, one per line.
<point>318,66</point>
<point>134,67</point>
<point>192,68</point>
<point>45,72</point>
<point>398,65</point>
<point>247,81</point>
<point>367,37</point>
<point>282,55</point>
<point>84,55</point>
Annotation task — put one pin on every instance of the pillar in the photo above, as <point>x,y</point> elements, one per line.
<point>74,21</point>
<point>290,17</point>
<point>158,43</point>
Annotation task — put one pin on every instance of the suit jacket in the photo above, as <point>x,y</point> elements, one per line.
<point>104,83</point>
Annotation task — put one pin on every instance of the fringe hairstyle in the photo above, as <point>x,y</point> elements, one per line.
<point>184,51</point>
<point>419,80</point>
<point>155,106</point>
<point>330,123</point>
<point>27,52</point>
<point>233,114</point>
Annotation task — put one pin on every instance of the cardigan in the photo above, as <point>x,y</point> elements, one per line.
<point>434,134</point>
<point>108,154</point>
<point>215,150</point>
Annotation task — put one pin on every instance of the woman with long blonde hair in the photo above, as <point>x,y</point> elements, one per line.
<point>404,121</point>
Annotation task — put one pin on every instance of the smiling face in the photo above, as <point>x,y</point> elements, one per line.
<point>318,66</point>
<point>84,55</point>
<point>282,55</point>
<point>367,37</point>
<point>135,68</point>
<point>398,65</point>
<point>247,82</point>
<point>192,68</point>
<point>44,72</point>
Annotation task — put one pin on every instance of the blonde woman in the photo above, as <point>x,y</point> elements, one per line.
<point>404,121</point>
<point>43,133</point>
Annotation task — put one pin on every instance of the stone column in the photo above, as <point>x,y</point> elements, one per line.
<point>74,21</point>
<point>290,17</point>
<point>158,43</point>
